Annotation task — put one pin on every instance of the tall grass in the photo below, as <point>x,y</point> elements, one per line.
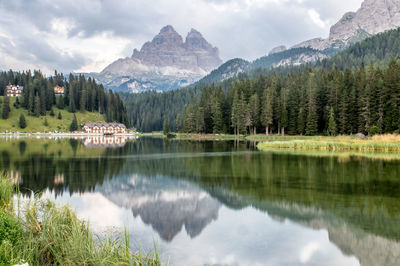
<point>55,236</point>
<point>386,143</point>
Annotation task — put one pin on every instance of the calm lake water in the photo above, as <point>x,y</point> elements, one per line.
<point>220,203</point>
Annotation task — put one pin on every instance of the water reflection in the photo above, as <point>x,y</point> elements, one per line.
<point>105,141</point>
<point>176,185</point>
<point>165,204</point>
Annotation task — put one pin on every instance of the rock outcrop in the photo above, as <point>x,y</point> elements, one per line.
<point>374,16</point>
<point>277,49</point>
<point>167,62</point>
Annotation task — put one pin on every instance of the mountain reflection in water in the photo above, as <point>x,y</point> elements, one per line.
<point>173,185</point>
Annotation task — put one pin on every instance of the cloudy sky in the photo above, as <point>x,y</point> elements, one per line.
<point>87,35</point>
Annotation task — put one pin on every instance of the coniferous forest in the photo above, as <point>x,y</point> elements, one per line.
<point>147,111</point>
<point>80,94</point>
<point>309,102</point>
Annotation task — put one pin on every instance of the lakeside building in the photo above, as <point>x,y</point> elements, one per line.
<point>108,128</point>
<point>14,90</point>
<point>59,90</point>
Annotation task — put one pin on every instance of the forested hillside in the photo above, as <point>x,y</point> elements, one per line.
<point>380,50</point>
<point>309,102</point>
<point>148,110</point>
<point>80,95</point>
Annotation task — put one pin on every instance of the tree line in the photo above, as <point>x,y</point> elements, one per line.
<point>80,94</point>
<point>147,111</point>
<point>308,102</point>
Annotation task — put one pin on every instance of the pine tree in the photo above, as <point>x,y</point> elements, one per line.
<point>22,121</point>
<point>6,107</point>
<point>189,119</point>
<point>179,121</point>
<point>166,126</point>
<point>59,116</point>
<point>74,125</point>
<point>60,102</point>
<point>284,111</point>
<point>216,115</point>
<point>235,117</point>
<point>199,118</point>
<point>267,111</point>
<point>52,112</point>
<point>45,123</point>
<point>312,116</point>
<point>37,106</point>
<point>332,123</point>
<point>255,112</point>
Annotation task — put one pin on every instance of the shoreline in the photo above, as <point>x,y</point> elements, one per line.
<point>65,134</point>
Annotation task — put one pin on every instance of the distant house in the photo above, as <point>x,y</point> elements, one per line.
<point>14,90</point>
<point>109,128</point>
<point>58,90</point>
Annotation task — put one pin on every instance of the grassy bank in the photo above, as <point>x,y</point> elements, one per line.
<point>37,124</point>
<point>40,233</point>
<point>379,143</point>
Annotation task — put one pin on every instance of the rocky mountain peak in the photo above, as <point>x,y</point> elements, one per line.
<point>163,59</point>
<point>277,50</point>
<point>194,34</point>
<point>168,30</point>
<point>195,41</point>
<point>374,16</point>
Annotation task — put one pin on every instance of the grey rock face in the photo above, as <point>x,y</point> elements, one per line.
<point>373,17</point>
<point>164,63</point>
<point>277,50</point>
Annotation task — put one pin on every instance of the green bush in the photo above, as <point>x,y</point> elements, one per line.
<point>10,228</point>
<point>374,130</point>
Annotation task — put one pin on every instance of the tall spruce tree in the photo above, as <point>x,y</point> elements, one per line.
<point>312,116</point>
<point>166,126</point>
<point>267,111</point>
<point>74,124</point>
<point>22,121</point>
<point>332,130</point>
<point>6,108</point>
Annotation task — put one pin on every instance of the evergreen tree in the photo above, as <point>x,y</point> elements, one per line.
<point>235,117</point>
<point>52,112</point>
<point>332,123</point>
<point>22,121</point>
<point>6,107</point>
<point>312,116</point>
<point>60,102</point>
<point>284,111</point>
<point>179,123</point>
<point>166,126</point>
<point>74,125</point>
<point>37,106</point>
<point>255,112</point>
<point>59,116</point>
<point>267,112</point>
<point>45,123</point>
<point>200,123</point>
<point>190,119</point>
<point>217,118</point>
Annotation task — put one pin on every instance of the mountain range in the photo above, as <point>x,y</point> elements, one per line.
<point>165,63</point>
<point>373,17</point>
<point>168,62</point>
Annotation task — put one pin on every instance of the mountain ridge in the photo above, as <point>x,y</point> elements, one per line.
<point>167,62</point>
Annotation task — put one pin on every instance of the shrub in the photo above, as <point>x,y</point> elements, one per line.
<point>22,121</point>
<point>10,228</point>
<point>374,130</point>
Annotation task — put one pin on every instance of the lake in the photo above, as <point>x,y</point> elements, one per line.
<point>220,203</point>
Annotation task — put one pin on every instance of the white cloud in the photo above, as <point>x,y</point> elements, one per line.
<point>316,18</point>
